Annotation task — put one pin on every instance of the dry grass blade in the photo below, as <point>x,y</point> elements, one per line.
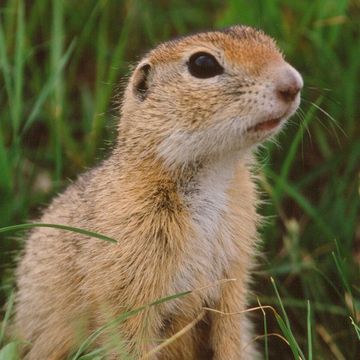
<point>259,337</point>
<point>262,307</point>
<point>327,338</point>
<point>170,340</point>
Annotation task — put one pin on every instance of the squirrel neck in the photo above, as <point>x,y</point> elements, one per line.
<point>203,180</point>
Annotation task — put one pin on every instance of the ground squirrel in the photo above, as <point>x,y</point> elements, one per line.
<point>178,196</point>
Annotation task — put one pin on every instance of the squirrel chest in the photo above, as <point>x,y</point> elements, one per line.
<point>213,206</point>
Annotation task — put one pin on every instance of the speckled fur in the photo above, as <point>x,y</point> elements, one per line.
<point>178,195</point>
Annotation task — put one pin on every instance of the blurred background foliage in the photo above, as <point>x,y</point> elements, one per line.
<point>62,67</point>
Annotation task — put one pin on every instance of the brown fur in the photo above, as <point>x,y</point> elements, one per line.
<point>183,219</point>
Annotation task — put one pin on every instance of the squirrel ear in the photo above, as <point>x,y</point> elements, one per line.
<point>141,81</point>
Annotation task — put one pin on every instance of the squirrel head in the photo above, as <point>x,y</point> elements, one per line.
<point>208,95</point>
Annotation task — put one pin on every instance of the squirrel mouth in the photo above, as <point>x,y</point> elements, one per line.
<point>266,125</point>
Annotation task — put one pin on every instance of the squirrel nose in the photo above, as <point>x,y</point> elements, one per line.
<point>289,84</point>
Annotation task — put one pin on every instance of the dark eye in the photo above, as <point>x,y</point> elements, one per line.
<point>203,65</point>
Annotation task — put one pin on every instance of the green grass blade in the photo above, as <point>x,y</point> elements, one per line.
<point>103,93</point>
<point>97,354</point>
<point>286,327</point>
<point>309,332</point>
<point>266,340</point>
<point>121,318</point>
<point>19,69</point>
<point>10,352</point>
<point>280,302</point>
<point>57,226</point>
<point>289,337</point>
<point>9,308</point>
<point>6,181</point>
<point>303,203</point>
<point>56,53</point>
<point>356,327</point>
<point>320,307</point>
<point>48,88</point>
<point>5,68</point>
<point>340,266</point>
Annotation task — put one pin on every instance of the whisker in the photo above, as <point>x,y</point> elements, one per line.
<point>318,88</point>
<point>334,132</point>
<point>301,115</point>
<point>326,93</point>
<point>334,121</point>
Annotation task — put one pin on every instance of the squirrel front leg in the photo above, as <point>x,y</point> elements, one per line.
<point>231,333</point>
<point>137,336</point>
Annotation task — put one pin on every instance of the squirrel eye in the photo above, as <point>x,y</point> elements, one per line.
<point>203,65</point>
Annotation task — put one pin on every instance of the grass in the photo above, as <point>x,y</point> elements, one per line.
<point>61,64</point>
